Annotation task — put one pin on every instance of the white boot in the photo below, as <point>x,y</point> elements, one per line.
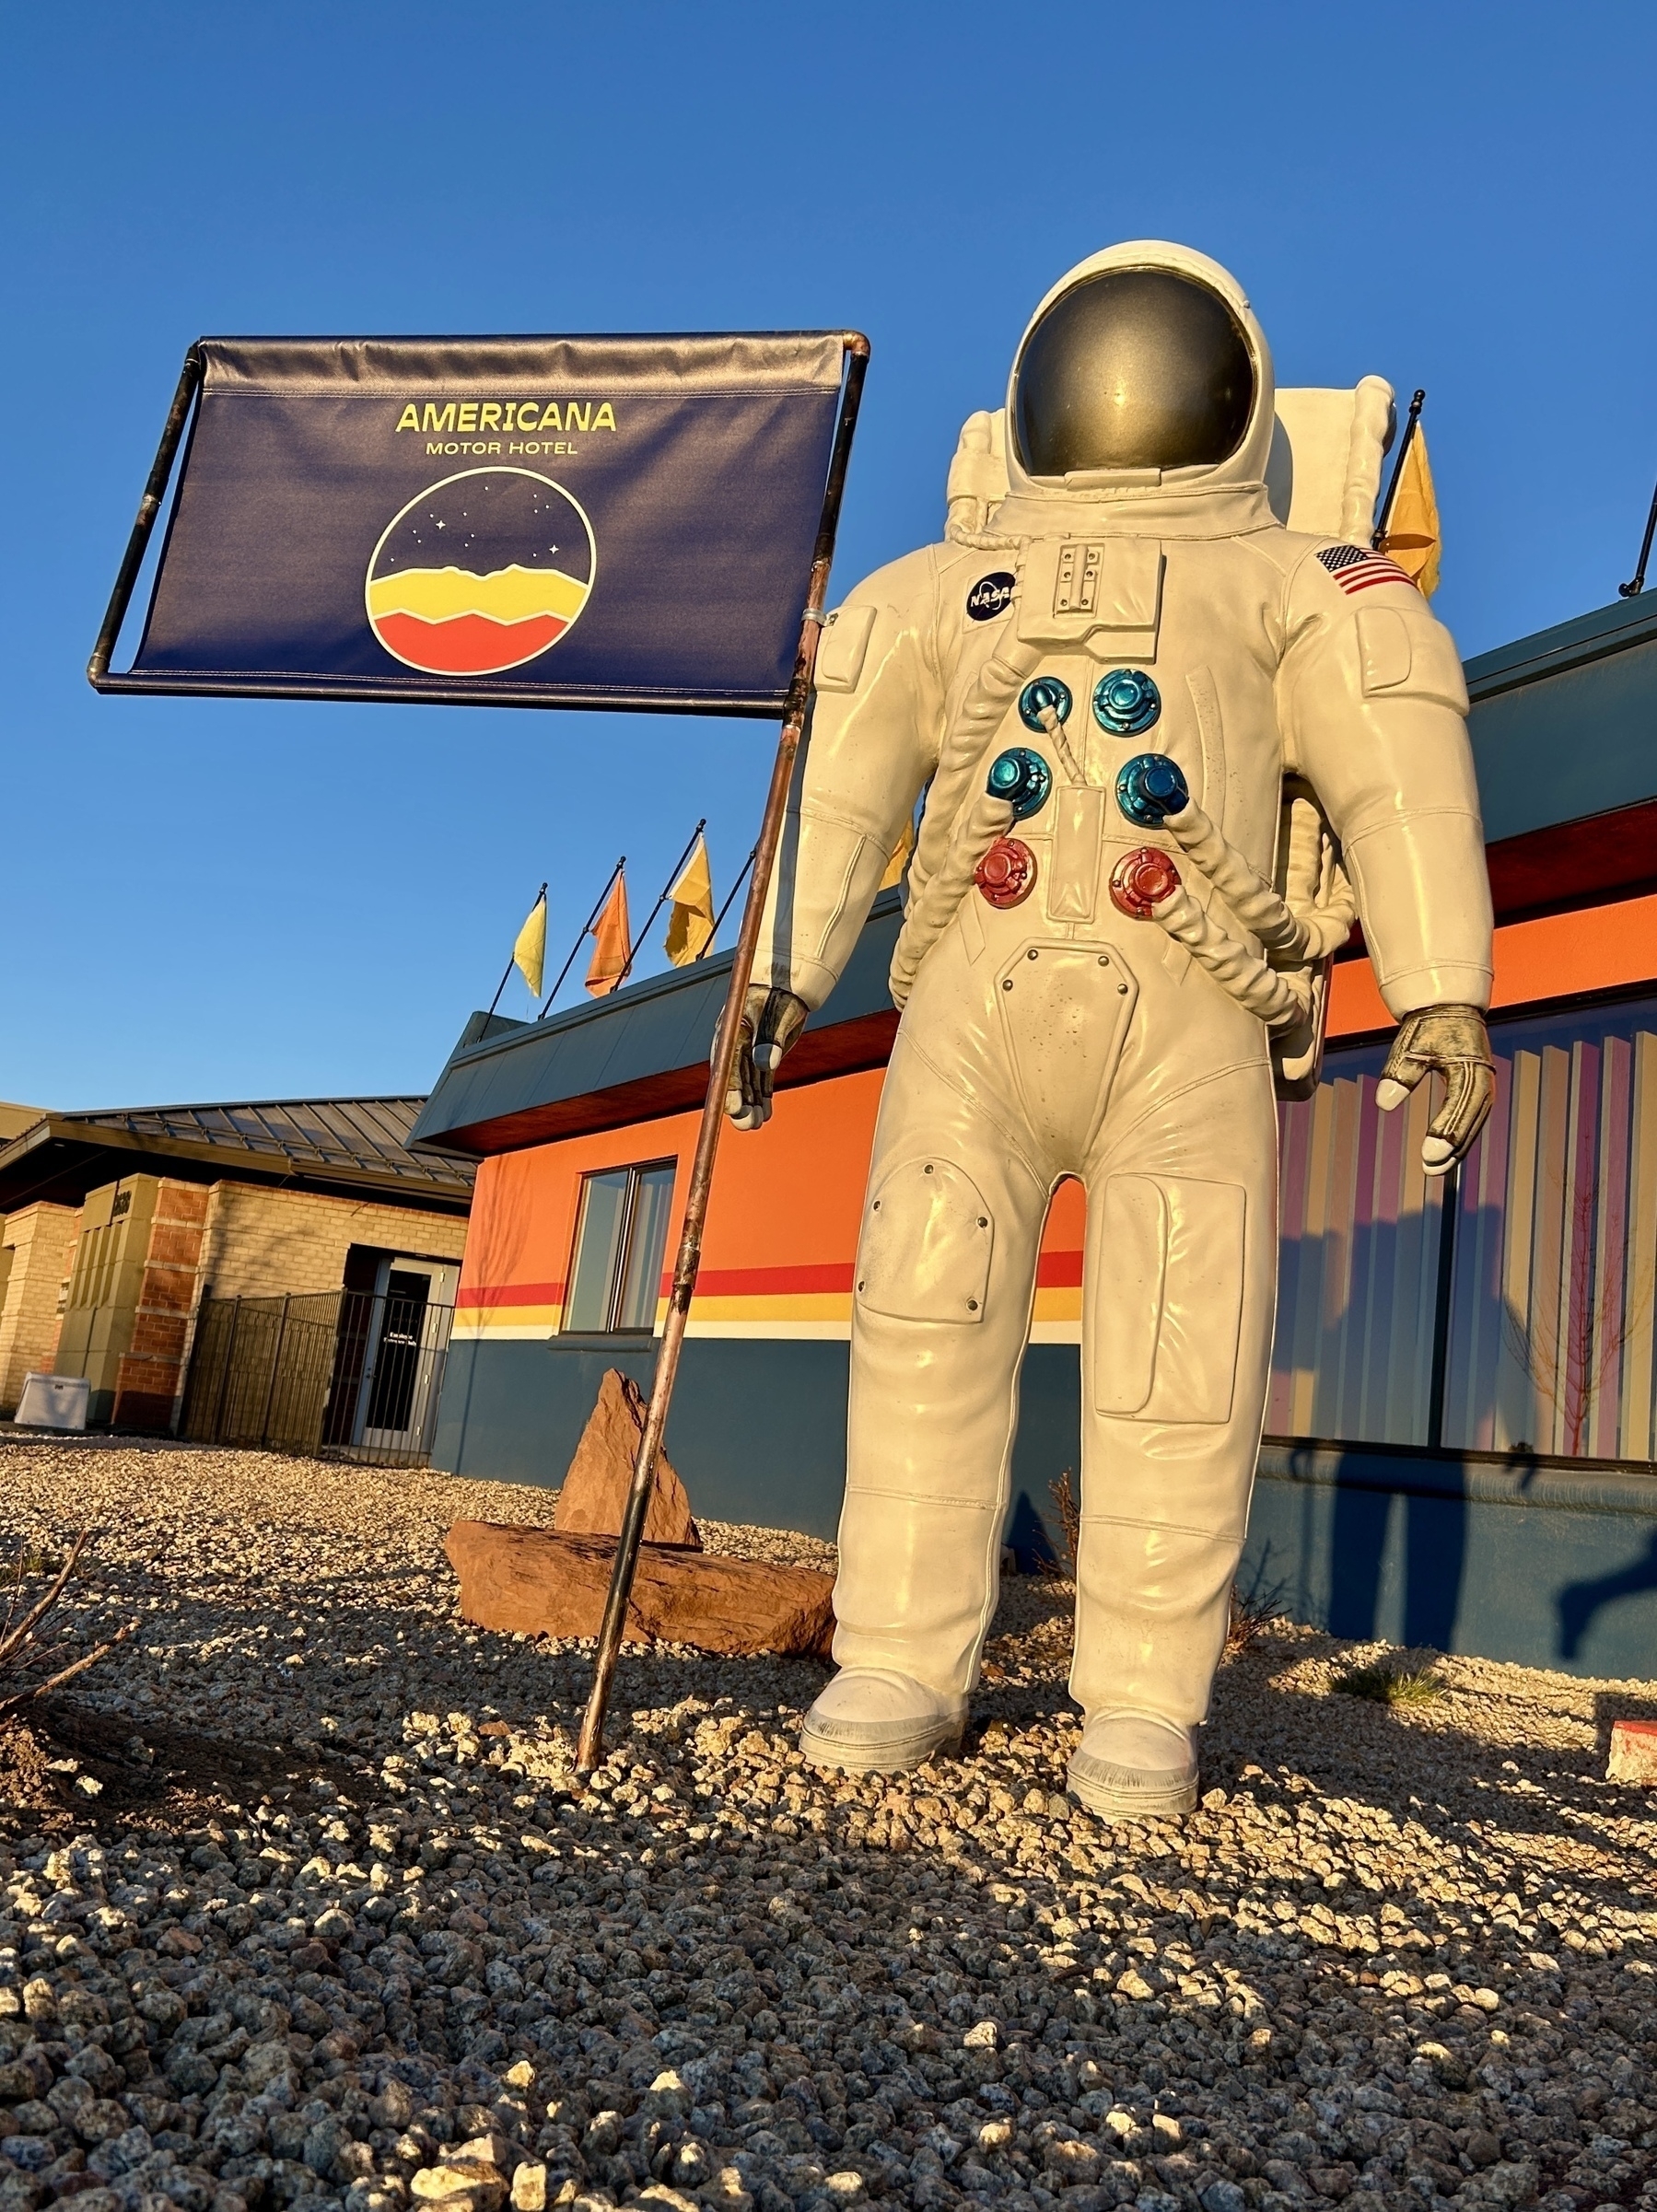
<point>1135,1766</point>
<point>874,1720</point>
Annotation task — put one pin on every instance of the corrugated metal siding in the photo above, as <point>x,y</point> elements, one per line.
<point>1550,1326</point>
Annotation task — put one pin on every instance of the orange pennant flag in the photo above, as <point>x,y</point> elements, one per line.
<point>614,943</point>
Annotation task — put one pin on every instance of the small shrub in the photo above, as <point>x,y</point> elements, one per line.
<point>28,1650</point>
<point>1392,1686</point>
<point>1252,1618</point>
<point>1063,1495</point>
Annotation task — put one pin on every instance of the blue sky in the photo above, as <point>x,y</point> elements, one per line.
<point>213,900</point>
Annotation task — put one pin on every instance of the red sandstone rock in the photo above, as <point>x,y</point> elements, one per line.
<point>595,1490</point>
<point>1633,1752</point>
<point>543,1582</point>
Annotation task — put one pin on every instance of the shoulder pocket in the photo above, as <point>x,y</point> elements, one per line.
<point>845,643</point>
<point>1409,656</point>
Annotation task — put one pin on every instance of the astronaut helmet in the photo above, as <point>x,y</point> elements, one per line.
<point>1144,358</point>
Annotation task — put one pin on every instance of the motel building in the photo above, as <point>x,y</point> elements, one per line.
<point>1461,1447</point>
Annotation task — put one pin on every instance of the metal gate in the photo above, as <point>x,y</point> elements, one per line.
<point>342,1374</point>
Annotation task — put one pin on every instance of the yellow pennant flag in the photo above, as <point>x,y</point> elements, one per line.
<point>690,923</point>
<point>529,951</point>
<point>1412,537</point>
<point>614,944</point>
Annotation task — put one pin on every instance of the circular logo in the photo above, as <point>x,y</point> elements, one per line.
<point>481,573</point>
<point>991,595</point>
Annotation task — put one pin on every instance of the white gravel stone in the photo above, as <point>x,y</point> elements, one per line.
<point>1398,1956</point>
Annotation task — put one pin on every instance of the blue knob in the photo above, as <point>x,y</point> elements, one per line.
<point>1127,701</point>
<point>1023,778</point>
<point>1035,699</point>
<point>1148,788</point>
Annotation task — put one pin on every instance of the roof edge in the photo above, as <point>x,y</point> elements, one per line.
<point>1592,636</point>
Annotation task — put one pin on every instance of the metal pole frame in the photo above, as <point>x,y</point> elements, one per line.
<point>727,1039</point>
<point>371,691</point>
<point>1378,535</point>
<point>137,544</point>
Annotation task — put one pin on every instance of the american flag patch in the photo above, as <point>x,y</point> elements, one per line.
<point>1355,567</point>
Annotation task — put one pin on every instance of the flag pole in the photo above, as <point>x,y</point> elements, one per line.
<point>651,917</point>
<point>597,908</point>
<point>727,1039</point>
<point>1378,535</point>
<point>729,900</point>
<point>1636,582</point>
<point>512,963</point>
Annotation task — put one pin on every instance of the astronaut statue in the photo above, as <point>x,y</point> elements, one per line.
<point>1169,748</point>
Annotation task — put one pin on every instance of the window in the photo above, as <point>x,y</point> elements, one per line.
<point>620,1238</point>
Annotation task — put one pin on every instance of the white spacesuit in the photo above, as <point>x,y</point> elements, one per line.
<point>1102,692</point>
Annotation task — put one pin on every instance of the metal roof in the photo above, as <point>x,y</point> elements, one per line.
<point>1564,723</point>
<point>340,1147</point>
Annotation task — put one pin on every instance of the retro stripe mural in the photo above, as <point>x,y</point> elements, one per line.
<point>779,1248</point>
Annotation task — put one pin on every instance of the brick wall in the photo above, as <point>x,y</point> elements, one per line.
<point>41,1242</point>
<point>262,1243</point>
<point>150,1374</point>
<point>150,1248</point>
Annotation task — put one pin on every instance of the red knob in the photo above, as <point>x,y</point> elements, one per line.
<point>1006,875</point>
<point>1142,879</point>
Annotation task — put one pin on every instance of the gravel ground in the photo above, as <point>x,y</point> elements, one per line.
<point>319,1912</point>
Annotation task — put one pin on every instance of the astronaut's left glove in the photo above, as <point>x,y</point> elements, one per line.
<point>1453,1042</point>
<point>771,1021</point>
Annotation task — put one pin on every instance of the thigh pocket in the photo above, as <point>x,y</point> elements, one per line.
<point>926,1246</point>
<point>1168,1295</point>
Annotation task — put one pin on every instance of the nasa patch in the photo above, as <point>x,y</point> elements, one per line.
<point>991,595</point>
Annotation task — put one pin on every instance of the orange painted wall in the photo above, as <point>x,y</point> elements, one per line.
<point>1599,949</point>
<point>782,1226</point>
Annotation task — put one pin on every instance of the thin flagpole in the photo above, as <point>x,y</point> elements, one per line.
<point>1636,582</point>
<point>597,908</point>
<point>741,879</point>
<point>539,900</point>
<point>651,917</point>
<point>1378,536</point>
<point>727,1038</point>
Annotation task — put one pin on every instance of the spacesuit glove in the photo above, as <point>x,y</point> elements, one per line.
<point>771,1021</point>
<point>1454,1040</point>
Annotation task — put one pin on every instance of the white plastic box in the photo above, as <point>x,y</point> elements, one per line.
<point>53,1402</point>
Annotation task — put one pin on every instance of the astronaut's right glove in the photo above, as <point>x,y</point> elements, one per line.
<point>771,1021</point>
<point>1454,1041</point>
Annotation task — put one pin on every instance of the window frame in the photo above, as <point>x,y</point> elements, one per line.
<point>636,1172</point>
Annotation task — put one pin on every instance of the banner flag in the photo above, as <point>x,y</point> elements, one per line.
<point>510,521</point>
<point>691,922</point>
<point>613,946</point>
<point>1414,536</point>
<point>529,949</point>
